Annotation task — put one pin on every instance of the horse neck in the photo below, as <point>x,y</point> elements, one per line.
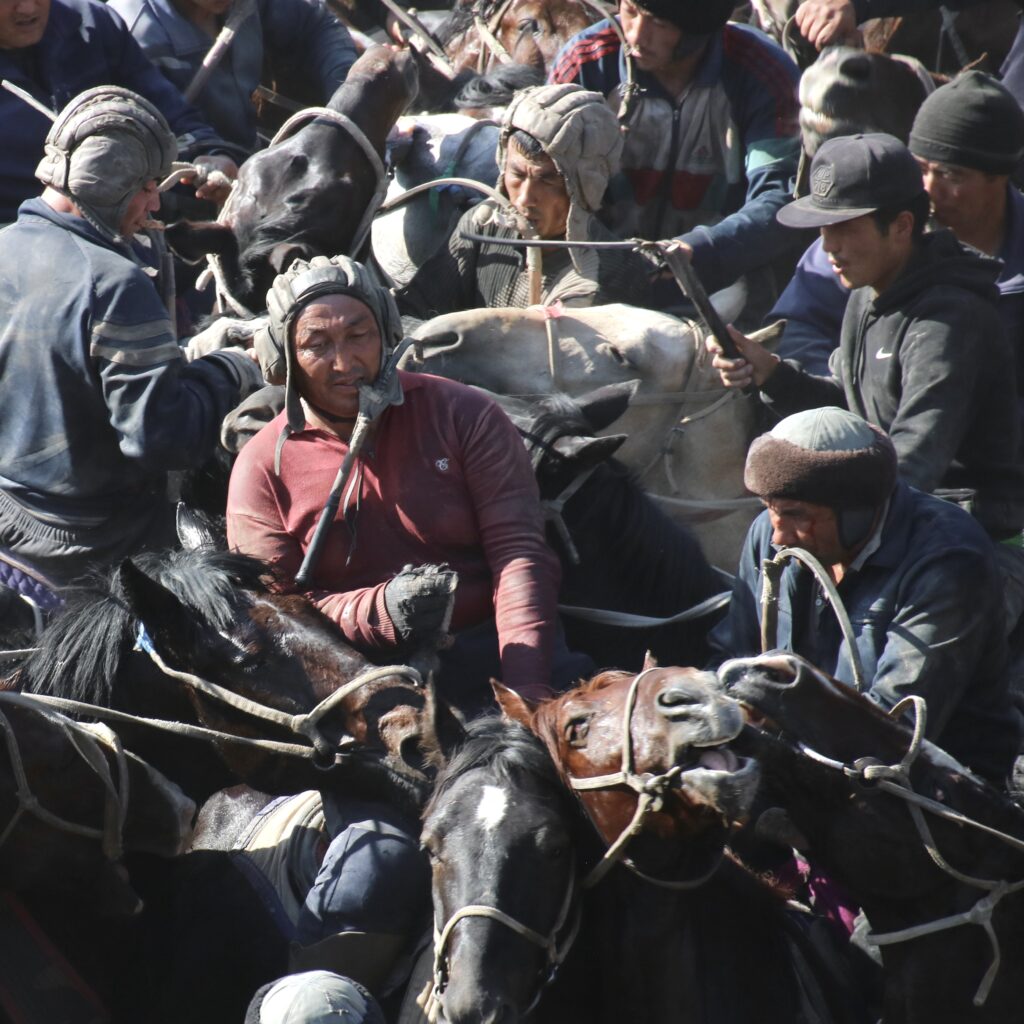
<point>374,105</point>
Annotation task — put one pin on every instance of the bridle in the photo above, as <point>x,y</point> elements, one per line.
<point>651,791</point>
<point>556,944</point>
<point>895,780</point>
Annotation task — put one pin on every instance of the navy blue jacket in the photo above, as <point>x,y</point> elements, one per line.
<point>927,614</point>
<point>285,27</point>
<point>98,401</point>
<point>85,44</point>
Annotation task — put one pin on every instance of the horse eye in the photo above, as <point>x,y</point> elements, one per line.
<point>576,730</point>
<point>618,356</point>
<point>530,25</point>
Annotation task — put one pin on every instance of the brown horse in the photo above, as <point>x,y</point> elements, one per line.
<point>887,816</point>
<point>481,34</point>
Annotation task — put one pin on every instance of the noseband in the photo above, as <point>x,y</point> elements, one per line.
<point>555,945</point>
<point>650,790</point>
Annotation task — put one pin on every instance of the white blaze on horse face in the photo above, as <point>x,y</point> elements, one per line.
<point>492,807</point>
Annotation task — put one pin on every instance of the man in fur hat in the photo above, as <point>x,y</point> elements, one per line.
<point>917,576</point>
<point>559,145</point>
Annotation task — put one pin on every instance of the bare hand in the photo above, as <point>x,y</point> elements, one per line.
<point>754,368</point>
<point>217,173</point>
<point>664,273</point>
<point>823,22</point>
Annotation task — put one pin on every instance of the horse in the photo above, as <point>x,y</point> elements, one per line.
<point>313,191</point>
<point>681,884</point>
<point>483,33</point>
<point>618,550</point>
<point>933,855</point>
<point>688,436</point>
<point>209,617</point>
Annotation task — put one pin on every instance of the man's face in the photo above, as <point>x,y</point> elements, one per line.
<point>22,22</point>
<point>537,191</point>
<point>861,254</point>
<point>337,347</point>
<point>961,197</point>
<point>652,41</point>
<point>801,524</point>
<point>141,205</point>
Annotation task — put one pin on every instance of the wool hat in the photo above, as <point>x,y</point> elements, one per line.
<point>972,122</point>
<point>855,175</point>
<point>313,997</point>
<point>694,17</point>
<point>823,456</point>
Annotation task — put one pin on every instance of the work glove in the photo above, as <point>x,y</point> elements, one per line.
<point>226,332</point>
<point>420,599</point>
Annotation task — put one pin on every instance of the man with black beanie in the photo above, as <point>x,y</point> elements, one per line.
<point>711,139</point>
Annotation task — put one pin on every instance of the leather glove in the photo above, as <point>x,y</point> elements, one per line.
<point>420,599</point>
<point>226,332</point>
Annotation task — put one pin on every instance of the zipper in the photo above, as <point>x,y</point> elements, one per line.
<point>673,153</point>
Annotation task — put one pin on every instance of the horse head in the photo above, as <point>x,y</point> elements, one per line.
<point>499,831</point>
<point>649,756</point>
<point>309,193</point>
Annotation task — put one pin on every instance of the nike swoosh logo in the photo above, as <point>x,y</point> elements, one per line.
<point>882,354</point>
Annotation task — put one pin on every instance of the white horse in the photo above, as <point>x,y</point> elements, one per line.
<point>688,436</point>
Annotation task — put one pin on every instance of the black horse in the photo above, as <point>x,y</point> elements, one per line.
<point>619,551</point>
<point>851,778</point>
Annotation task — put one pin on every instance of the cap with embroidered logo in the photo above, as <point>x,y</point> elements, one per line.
<point>852,176</point>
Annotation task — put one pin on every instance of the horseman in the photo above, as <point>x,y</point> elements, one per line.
<point>439,529</point>
<point>177,35</point>
<point>443,492</point>
<point>56,49</point>
<point>916,575</point>
<point>558,147</point>
<point>922,351</point>
<point>711,139</point>
<point>99,400</point>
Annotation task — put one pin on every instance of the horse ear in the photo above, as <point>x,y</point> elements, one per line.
<point>443,730</point>
<point>192,240</point>
<point>603,406</point>
<point>513,707</point>
<point>649,661</point>
<point>584,452</point>
<point>194,532</point>
<point>770,336</point>
<point>175,631</point>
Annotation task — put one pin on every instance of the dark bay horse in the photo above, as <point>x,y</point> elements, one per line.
<point>852,780</point>
<point>210,615</point>
<point>619,551</point>
<point>311,192</point>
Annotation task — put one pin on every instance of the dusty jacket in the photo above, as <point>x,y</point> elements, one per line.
<point>928,360</point>
<point>447,480</point>
<point>926,610</point>
<point>472,275</point>
<point>712,167</point>
<point>85,44</point>
<point>98,401</point>
<point>279,27</point>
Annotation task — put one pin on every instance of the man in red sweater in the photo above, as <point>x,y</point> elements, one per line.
<point>441,491</point>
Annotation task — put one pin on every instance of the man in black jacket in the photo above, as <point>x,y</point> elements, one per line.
<point>922,351</point>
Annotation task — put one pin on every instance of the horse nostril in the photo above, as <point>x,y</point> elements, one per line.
<point>678,697</point>
<point>857,67</point>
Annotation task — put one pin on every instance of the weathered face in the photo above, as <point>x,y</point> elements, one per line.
<point>337,348</point>
<point>22,22</point>
<point>961,197</point>
<point>801,524</point>
<point>537,191</point>
<point>653,41</point>
<point>861,254</point>
<point>142,204</point>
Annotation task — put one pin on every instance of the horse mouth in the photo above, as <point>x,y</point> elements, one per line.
<point>722,780</point>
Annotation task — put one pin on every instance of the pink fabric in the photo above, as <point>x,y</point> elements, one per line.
<point>444,478</point>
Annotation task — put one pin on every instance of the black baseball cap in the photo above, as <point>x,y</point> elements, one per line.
<point>852,176</point>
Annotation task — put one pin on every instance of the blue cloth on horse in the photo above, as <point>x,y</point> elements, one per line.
<point>28,583</point>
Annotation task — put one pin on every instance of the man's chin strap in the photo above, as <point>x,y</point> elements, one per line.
<point>373,400</point>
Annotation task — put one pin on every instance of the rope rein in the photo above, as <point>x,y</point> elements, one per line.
<point>895,780</point>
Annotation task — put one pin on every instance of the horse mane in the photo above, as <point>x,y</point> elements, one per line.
<point>81,650</point>
<point>459,22</point>
<point>496,88</point>
<point>508,750</point>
